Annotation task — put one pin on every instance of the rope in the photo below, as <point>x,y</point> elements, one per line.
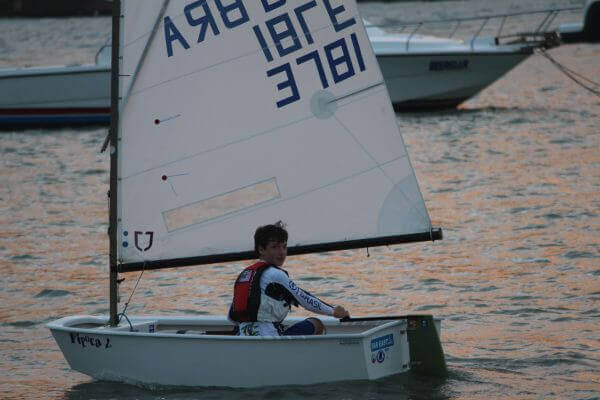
<point>122,314</point>
<point>573,75</point>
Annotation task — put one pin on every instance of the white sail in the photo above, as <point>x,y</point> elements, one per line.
<point>239,113</point>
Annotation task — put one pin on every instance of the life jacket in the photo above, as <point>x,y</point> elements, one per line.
<point>246,293</point>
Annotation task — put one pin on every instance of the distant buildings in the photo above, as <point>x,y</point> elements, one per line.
<point>54,8</point>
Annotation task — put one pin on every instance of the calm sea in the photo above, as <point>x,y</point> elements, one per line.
<point>513,177</point>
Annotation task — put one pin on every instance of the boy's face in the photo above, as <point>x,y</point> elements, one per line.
<point>274,253</point>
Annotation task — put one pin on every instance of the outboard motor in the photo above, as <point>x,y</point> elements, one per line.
<point>588,31</point>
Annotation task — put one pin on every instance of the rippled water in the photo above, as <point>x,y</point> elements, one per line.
<point>513,177</point>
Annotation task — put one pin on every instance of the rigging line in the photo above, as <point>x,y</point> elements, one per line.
<point>132,292</point>
<point>395,24</point>
<point>137,67</point>
<point>553,60</point>
<point>259,50</point>
<point>142,59</point>
<point>571,74</point>
<point>244,139</point>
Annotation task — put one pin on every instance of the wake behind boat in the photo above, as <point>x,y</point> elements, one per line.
<point>215,111</point>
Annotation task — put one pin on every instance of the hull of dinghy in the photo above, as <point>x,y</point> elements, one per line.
<point>195,352</point>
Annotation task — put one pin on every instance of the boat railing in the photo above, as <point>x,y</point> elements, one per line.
<point>540,36</point>
<point>103,54</point>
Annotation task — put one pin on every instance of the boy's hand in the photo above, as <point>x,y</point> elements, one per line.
<point>340,312</point>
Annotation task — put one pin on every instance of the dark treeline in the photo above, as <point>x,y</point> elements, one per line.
<point>65,8</point>
<point>54,8</point>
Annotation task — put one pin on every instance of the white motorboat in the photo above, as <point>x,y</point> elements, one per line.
<point>424,72</point>
<point>76,94</point>
<point>245,130</point>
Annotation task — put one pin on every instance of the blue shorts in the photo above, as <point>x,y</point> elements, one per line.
<point>299,329</point>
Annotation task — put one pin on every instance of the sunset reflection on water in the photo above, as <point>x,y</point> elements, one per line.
<point>512,177</point>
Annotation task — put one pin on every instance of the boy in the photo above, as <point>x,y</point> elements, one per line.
<point>264,293</point>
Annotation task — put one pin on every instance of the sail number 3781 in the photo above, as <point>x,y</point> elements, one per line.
<point>280,36</point>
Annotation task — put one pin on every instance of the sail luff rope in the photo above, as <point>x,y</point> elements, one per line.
<point>139,65</point>
<point>145,52</point>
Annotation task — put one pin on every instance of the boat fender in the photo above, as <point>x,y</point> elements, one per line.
<point>591,27</point>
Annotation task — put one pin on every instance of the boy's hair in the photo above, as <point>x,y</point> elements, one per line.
<point>269,233</point>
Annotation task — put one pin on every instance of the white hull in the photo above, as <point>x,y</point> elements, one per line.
<point>413,82</point>
<point>432,72</point>
<point>46,95</point>
<point>157,355</point>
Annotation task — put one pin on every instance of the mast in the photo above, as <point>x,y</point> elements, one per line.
<point>114,135</point>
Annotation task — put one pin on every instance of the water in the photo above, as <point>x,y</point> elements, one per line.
<point>513,177</point>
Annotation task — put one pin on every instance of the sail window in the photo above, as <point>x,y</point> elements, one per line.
<point>221,205</point>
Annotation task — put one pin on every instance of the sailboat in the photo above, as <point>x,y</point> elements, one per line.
<point>227,116</point>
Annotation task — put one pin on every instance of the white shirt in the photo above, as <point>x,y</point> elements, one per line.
<point>273,310</point>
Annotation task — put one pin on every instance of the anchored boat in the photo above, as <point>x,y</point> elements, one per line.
<point>56,95</point>
<point>225,117</point>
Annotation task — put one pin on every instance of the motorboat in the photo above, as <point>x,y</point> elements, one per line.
<point>424,72</point>
<point>56,95</point>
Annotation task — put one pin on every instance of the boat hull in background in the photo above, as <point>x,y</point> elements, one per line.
<point>436,81</point>
<point>55,96</point>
